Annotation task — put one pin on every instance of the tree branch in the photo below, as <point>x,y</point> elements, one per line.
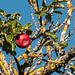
<point>64,58</point>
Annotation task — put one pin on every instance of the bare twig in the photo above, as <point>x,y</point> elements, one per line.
<point>33,18</point>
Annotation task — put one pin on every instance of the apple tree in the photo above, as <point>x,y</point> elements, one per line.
<point>53,39</point>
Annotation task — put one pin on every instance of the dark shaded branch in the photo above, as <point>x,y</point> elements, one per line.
<point>60,72</point>
<point>20,69</point>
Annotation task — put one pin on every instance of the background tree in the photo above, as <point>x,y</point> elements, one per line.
<point>51,52</point>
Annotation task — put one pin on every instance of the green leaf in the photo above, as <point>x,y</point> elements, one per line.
<point>8,15</point>
<point>9,24</point>
<point>27,26</point>
<point>14,24</point>
<point>6,46</point>
<point>39,13</point>
<point>59,12</point>
<point>9,37</point>
<point>19,28</point>
<point>14,31</point>
<point>4,26</point>
<point>52,35</point>
<point>10,21</point>
<point>45,7</point>
<point>44,10</point>
<point>13,45</point>
<point>13,53</point>
<point>2,13</point>
<point>0,22</point>
<point>9,47</point>
<point>44,4</point>
<point>49,42</point>
<point>63,44</point>
<point>29,32</point>
<point>58,1</point>
<point>55,2</point>
<point>49,6</point>
<point>58,6</point>
<point>3,39</point>
<point>14,16</point>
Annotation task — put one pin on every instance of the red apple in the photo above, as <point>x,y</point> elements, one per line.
<point>22,40</point>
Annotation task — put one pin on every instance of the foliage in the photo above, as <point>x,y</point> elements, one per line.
<point>10,27</point>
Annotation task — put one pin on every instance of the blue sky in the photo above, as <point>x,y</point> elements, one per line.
<point>23,7</point>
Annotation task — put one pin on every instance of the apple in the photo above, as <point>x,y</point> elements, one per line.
<point>22,40</point>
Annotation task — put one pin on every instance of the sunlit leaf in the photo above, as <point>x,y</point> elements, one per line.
<point>58,1</point>
<point>4,26</point>
<point>14,24</point>
<point>27,26</point>
<point>19,28</point>
<point>14,31</point>
<point>14,16</point>
<point>63,44</point>
<point>9,37</point>
<point>52,35</point>
<point>44,10</point>
<point>58,6</point>
<point>39,13</point>
<point>10,21</point>
<point>9,24</point>
<point>55,2</point>
<point>2,13</point>
<point>13,45</point>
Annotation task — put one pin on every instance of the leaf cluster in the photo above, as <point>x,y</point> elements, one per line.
<point>55,4</point>
<point>10,28</point>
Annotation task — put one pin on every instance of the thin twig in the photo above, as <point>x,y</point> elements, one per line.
<point>33,18</point>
